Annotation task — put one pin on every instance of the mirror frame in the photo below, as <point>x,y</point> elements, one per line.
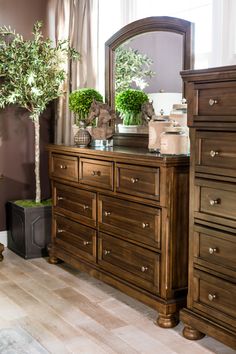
<point>148,24</point>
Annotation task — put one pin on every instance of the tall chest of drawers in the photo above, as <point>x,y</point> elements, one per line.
<point>121,215</point>
<point>211,305</point>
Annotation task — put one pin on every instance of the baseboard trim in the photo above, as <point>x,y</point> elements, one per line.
<point>3,238</point>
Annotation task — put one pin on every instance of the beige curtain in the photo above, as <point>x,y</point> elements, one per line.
<point>76,20</point>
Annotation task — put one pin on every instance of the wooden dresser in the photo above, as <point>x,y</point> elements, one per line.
<point>211,307</point>
<point>121,214</point>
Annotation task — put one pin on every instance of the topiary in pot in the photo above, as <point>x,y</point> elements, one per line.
<point>128,104</point>
<point>80,102</point>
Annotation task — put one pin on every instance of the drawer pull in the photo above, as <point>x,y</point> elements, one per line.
<point>145,225</point>
<point>107,213</point>
<point>59,231</point>
<point>212,250</point>
<point>106,252</point>
<point>214,153</point>
<point>214,201</point>
<point>60,198</point>
<point>144,269</point>
<point>85,207</point>
<point>212,102</point>
<point>63,167</point>
<point>134,180</point>
<point>96,173</point>
<point>86,243</point>
<point>211,297</point>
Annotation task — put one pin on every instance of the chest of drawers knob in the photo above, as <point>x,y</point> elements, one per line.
<point>60,198</point>
<point>63,167</point>
<point>144,269</point>
<point>134,180</point>
<point>60,231</point>
<point>86,243</point>
<point>214,201</point>
<point>212,101</point>
<point>107,213</point>
<point>214,153</point>
<point>145,225</point>
<point>96,173</point>
<point>85,207</point>
<point>212,250</point>
<point>211,297</point>
<point>106,252</point>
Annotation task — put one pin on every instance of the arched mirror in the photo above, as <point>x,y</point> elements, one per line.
<point>163,44</point>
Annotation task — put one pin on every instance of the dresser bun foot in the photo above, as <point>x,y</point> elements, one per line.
<point>1,250</point>
<point>192,334</point>
<point>167,321</point>
<point>52,258</point>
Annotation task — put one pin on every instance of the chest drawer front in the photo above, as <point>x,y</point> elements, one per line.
<point>216,248</point>
<point>218,99</point>
<point>216,153</point>
<point>138,180</point>
<point>75,203</point>
<point>215,201</point>
<point>65,167</point>
<point>129,262</point>
<point>77,239</point>
<point>96,173</point>
<point>130,220</point>
<point>215,297</point>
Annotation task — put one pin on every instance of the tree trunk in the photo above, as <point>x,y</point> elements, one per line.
<point>37,159</point>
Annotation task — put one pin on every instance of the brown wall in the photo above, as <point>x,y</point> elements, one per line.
<point>16,130</point>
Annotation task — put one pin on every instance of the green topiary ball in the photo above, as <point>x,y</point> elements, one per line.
<point>129,103</point>
<point>81,100</point>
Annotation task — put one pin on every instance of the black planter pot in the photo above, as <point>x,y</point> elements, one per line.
<point>29,230</point>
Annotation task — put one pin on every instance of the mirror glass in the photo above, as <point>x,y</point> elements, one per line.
<point>166,45</point>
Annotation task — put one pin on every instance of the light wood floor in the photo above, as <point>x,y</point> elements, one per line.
<point>69,312</point>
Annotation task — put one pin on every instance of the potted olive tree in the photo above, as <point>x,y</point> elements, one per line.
<point>129,104</point>
<point>31,76</point>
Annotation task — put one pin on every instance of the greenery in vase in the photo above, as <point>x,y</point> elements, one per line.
<point>128,104</point>
<point>131,67</point>
<point>80,102</point>
<point>31,76</point>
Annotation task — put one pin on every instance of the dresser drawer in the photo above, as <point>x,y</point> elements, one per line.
<point>215,201</point>
<point>75,203</point>
<point>129,262</point>
<point>65,167</point>
<point>75,238</point>
<point>217,99</point>
<point>96,173</point>
<point>216,153</point>
<point>215,249</point>
<point>130,220</point>
<point>138,180</point>
<point>215,297</point>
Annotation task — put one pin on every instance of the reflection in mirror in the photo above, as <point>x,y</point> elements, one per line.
<point>163,46</point>
<point>151,62</point>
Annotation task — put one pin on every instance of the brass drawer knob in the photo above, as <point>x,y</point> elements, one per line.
<point>63,167</point>
<point>212,250</point>
<point>60,198</point>
<point>214,153</point>
<point>144,269</point>
<point>211,297</point>
<point>60,231</point>
<point>85,206</point>
<point>107,213</point>
<point>96,173</point>
<point>134,180</point>
<point>214,201</point>
<point>106,252</point>
<point>212,101</point>
<point>145,225</point>
<point>86,243</point>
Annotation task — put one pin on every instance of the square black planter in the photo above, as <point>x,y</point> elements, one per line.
<point>29,230</point>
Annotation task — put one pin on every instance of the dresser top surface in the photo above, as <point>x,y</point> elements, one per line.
<point>120,152</point>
